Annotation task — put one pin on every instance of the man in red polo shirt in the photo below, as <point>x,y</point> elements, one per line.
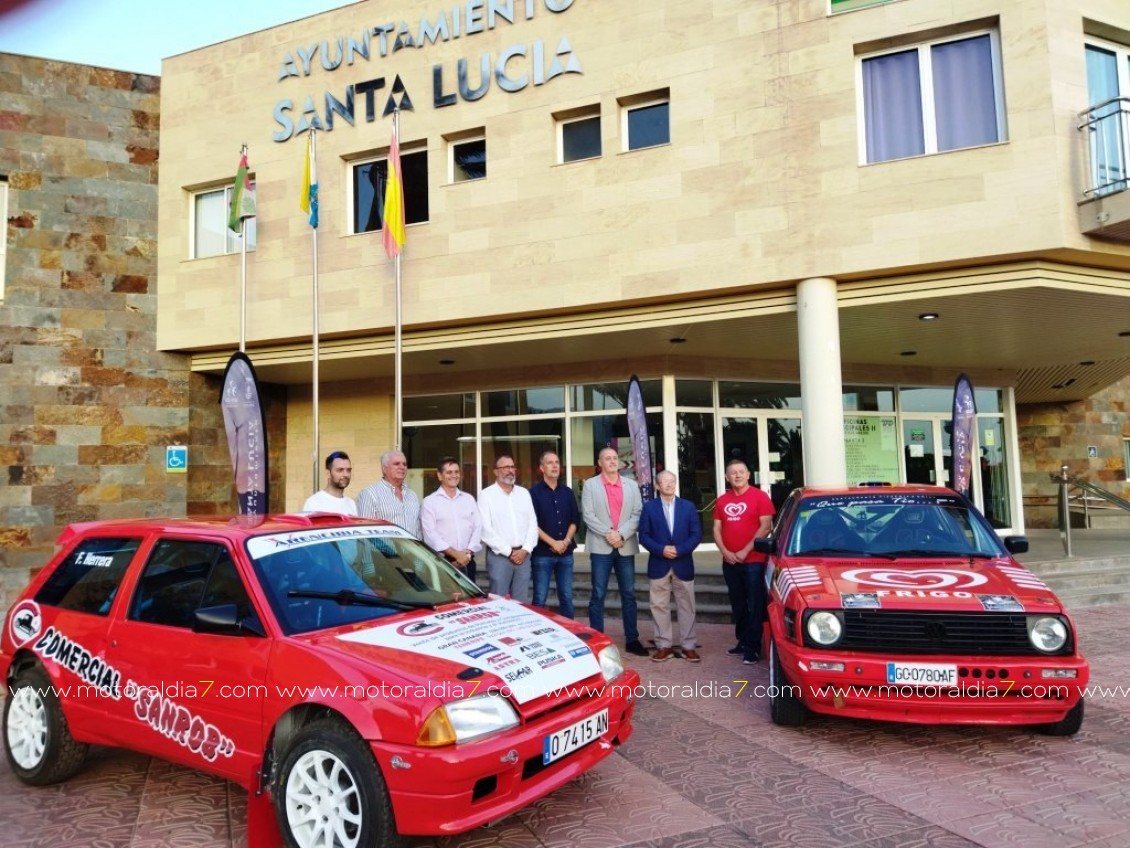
<point>741,515</point>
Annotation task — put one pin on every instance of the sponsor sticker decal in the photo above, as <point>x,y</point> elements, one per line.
<point>25,622</point>
<point>481,651</point>
<point>1000,603</point>
<point>176,722</point>
<point>419,628</point>
<point>860,600</point>
<point>53,645</point>
<point>500,634</point>
<point>925,578</point>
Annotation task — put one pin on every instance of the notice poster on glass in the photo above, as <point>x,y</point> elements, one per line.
<point>871,449</point>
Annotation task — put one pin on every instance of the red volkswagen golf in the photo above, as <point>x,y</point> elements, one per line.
<point>335,663</point>
<point>903,604</point>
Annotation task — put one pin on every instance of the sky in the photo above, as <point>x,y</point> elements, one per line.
<point>134,35</point>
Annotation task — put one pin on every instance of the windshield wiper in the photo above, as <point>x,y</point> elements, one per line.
<point>347,597</point>
<point>842,552</point>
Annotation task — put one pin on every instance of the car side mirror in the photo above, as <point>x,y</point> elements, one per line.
<point>224,620</point>
<point>765,545</point>
<point>1016,544</point>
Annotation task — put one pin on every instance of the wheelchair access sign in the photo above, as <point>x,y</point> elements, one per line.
<point>176,459</point>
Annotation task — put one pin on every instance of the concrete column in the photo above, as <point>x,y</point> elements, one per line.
<point>821,385</point>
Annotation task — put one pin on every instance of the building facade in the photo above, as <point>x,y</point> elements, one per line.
<point>88,405</point>
<point>797,221</point>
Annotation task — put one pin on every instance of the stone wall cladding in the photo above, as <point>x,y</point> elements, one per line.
<point>87,403</point>
<point>1055,434</point>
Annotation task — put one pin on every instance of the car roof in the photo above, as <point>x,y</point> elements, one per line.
<point>236,528</point>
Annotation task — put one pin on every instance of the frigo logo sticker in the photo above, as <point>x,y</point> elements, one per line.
<point>927,578</point>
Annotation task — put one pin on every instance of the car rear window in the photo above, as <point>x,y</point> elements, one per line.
<point>88,579</point>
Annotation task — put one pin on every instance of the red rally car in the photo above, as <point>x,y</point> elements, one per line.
<point>903,604</point>
<point>335,663</point>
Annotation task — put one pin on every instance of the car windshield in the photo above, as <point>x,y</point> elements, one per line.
<point>891,526</point>
<point>328,577</point>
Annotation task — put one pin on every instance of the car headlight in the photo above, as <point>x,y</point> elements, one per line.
<point>1047,634</point>
<point>824,627</point>
<point>611,666</point>
<point>462,721</point>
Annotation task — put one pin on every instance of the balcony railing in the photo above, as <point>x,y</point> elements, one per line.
<point>1106,134</point>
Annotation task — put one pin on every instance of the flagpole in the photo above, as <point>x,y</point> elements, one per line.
<point>316,353</point>
<point>243,286</point>
<point>243,274</point>
<point>398,396</point>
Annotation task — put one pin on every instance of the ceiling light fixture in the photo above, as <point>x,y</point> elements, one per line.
<point>678,340</point>
<point>928,316</point>
<point>447,362</point>
<point>909,353</point>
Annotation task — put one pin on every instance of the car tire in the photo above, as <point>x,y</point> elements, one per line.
<point>785,709</point>
<point>1068,725</point>
<point>37,739</point>
<point>329,791</point>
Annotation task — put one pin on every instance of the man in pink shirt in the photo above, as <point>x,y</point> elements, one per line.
<point>450,519</point>
<point>610,508</point>
<point>741,515</point>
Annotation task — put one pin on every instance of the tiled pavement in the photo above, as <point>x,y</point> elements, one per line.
<point>705,770</point>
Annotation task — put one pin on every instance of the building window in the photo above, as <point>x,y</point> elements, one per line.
<point>1108,99</point>
<point>369,190</point>
<point>4,236</point>
<point>850,5</point>
<point>937,96</point>
<point>1126,458</point>
<point>646,120</point>
<point>578,136</point>
<point>210,233</point>
<point>467,158</point>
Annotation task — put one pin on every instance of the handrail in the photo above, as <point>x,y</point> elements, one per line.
<point>1099,492</point>
<point>1089,492</point>
<point>1106,132</point>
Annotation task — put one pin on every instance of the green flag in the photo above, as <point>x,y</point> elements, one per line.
<point>242,196</point>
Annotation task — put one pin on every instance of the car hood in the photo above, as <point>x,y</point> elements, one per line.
<point>470,647</point>
<point>949,584</point>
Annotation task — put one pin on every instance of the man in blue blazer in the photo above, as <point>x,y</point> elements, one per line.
<point>670,530</point>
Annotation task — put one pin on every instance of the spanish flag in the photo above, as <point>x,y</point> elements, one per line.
<point>393,215</point>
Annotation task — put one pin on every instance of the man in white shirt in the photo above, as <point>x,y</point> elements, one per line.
<point>510,531</point>
<point>450,519</point>
<point>339,473</point>
<point>390,498</point>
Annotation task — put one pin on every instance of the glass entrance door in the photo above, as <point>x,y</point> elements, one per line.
<point>927,444</point>
<point>786,458</point>
<point>776,470</point>
<point>741,439</point>
<point>918,450</point>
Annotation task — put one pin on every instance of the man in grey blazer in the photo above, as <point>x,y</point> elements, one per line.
<point>610,507</point>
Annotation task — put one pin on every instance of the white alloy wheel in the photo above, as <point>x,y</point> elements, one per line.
<point>27,728</point>
<point>323,803</point>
